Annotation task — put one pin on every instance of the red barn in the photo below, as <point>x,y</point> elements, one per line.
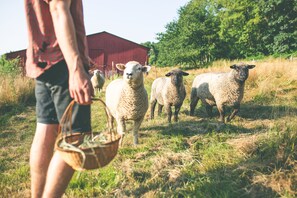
<point>105,50</point>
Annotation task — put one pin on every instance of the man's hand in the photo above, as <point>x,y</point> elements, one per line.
<point>80,86</point>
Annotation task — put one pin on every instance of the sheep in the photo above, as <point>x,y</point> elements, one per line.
<point>97,80</point>
<point>127,98</point>
<point>168,92</point>
<point>220,89</point>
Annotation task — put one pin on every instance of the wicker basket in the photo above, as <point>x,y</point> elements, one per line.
<point>89,157</point>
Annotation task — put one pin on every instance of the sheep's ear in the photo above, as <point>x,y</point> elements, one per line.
<point>168,74</point>
<point>146,68</point>
<point>120,66</point>
<point>233,66</point>
<point>185,74</point>
<point>251,66</point>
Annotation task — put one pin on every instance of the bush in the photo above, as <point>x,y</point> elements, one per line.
<point>9,67</point>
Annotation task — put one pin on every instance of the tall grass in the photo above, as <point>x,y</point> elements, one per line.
<point>15,90</point>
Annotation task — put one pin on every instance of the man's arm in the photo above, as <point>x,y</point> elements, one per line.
<point>80,86</point>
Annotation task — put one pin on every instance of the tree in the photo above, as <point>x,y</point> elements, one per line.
<point>280,35</point>
<point>207,30</point>
<point>199,27</point>
<point>193,39</point>
<point>240,27</point>
<point>169,45</point>
<point>153,53</point>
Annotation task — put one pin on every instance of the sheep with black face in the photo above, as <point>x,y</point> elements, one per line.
<point>168,91</point>
<point>220,89</point>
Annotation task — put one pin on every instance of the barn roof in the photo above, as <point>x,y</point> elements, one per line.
<point>104,32</point>
<point>90,35</point>
<point>105,49</point>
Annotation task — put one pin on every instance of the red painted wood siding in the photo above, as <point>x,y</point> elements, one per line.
<point>116,49</point>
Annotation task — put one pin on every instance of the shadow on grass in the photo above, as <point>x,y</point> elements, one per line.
<point>8,111</point>
<point>203,126</point>
<point>252,111</point>
<point>266,112</point>
<point>224,180</point>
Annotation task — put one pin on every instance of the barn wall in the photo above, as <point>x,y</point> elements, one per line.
<point>116,49</point>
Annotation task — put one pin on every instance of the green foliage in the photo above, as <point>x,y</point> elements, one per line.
<point>169,45</point>
<point>208,30</point>
<point>153,53</point>
<point>280,34</point>
<point>9,67</point>
<point>240,28</point>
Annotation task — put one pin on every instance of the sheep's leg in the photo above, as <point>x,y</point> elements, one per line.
<point>153,105</point>
<point>208,110</point>
<point>121,128</point>
<point>110,120</point>
<point>160,107</point>
<point>137,124</point>
<point>169,112</point>
<point>194,101</point>
<point>177,109</point>
<point>96,92</point>
<point>221,109</point>
<point>234,112</point>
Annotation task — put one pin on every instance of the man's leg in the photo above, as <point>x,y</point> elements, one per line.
<point>40,156</point>
<point>59,175</point>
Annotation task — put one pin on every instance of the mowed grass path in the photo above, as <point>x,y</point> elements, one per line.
<point>255,155</point>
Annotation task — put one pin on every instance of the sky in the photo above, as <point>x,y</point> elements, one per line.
<point>136,20</point>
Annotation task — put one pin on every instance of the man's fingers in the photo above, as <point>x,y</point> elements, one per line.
<point>85,97</point>
<point>71,93</point>
<point>82,97</point>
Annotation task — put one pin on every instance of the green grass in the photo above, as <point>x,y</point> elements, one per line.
<point>255,155</point>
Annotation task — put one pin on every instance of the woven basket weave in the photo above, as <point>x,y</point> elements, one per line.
<point>87,157</point>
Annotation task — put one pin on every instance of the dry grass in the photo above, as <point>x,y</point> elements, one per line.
<point>253,156</point>
<point>15,90</point>
<point>271,87</point>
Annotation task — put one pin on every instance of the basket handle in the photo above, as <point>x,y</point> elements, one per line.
<point>107,113</point>
<point>66,120</point>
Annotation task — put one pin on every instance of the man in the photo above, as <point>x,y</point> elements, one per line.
<point>57,58</point>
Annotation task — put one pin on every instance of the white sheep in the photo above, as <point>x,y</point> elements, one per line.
<point>97,80</point>
<point>168,92</point>
<point>127,98</point>
<point>220,89</point>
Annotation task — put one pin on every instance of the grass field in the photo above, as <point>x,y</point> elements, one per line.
<point>255,155</point>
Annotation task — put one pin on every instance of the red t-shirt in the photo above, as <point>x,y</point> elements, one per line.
<point>43,46</point>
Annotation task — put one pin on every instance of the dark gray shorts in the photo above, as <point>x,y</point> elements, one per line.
<point>53,97</point>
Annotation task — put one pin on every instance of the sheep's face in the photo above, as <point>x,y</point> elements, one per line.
<point>96,72</point>
<point>241,71</point>
<point>133,72</point>
<point>176,76</point>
